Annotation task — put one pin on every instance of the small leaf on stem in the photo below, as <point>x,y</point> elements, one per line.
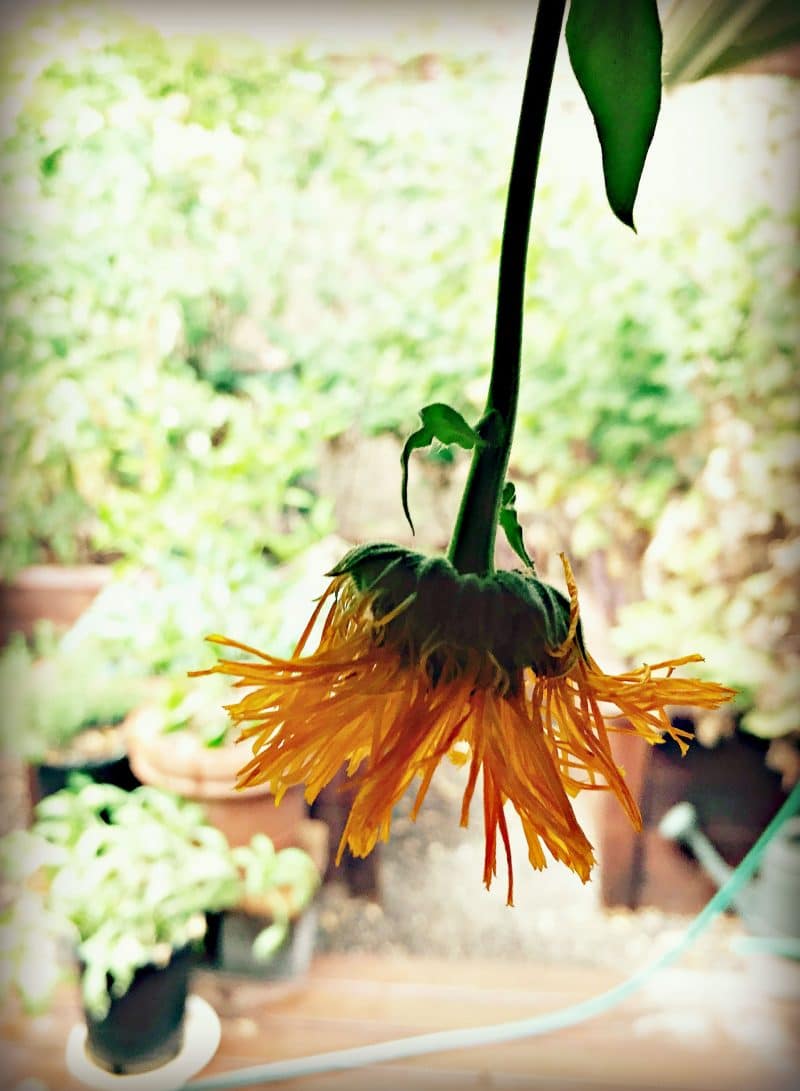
<point>510,524</point>
<point>445,424</point>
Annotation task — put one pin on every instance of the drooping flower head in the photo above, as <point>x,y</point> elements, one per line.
<point>417,662</point>
<point>424,657</point>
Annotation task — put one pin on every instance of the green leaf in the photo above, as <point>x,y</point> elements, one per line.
<point>510,524</point>
<point>269,940</point>
<point>440,422</point>
<point>49,164</point>
<point>615,50</point>
<point>95,991</point>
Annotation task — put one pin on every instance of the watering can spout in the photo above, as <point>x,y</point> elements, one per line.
<point>770,905</point>
<point>681,824</point>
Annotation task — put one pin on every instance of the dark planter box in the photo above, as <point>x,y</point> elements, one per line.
<point>144,1028</point>
<point>229,942</point>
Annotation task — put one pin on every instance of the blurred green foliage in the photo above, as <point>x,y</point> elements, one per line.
<point>204,249</point>
<point>218,256</point>
<point>721,570</point>
<point>52,694</point>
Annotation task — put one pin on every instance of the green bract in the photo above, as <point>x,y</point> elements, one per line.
<point>510,618</point>
<point>509,521</point>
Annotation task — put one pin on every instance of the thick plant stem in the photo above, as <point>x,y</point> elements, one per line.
<point>472,544</point>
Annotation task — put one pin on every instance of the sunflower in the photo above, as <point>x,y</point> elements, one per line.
<point>417,662</point>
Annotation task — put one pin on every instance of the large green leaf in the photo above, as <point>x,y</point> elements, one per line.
<point>615,50</point>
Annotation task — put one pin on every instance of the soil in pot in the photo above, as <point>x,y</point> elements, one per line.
<point>144,1028</point>
<point>97,752</point>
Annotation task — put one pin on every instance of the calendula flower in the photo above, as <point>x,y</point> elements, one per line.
<point>421,658</point>
<point>417,662</point>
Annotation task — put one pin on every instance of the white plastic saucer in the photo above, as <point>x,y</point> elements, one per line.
<point>201,1035</point>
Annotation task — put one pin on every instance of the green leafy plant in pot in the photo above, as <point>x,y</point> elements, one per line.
<point>270,933</point>
<point>61,713</point>
<point>125,882</point>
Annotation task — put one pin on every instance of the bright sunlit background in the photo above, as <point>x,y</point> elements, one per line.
<point>245,243</point>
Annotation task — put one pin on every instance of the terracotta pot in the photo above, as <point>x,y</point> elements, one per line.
<point>57,593</point>
<point>179,762</point>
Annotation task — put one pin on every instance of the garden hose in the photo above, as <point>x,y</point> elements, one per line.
<point>495,1034</point>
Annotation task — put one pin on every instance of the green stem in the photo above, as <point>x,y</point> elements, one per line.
<point>472,544</point>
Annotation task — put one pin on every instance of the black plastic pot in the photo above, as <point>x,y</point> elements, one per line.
<point>229,943</point>
<point>144,1028</point>
<point>50,777</point>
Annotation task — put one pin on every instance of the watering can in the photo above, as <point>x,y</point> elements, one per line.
<point>770,904</point>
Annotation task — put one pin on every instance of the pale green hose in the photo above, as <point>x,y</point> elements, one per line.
<point>467,1037</point>
<point>774,946</point>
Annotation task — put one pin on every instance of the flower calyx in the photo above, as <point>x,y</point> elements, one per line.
<point>500,623</point>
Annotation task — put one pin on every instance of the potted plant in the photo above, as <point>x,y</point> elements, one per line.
<point>58,593</point>
<point>30,949</point>
<point>270,932</point>
<point>126,880</point>
<point>125,886</point>
<point>62,713</point>
<point>182,740</point>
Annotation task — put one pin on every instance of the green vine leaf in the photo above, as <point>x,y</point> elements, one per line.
<point>615,51</point>
<point>445,424</point>
<point>510,524</point>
